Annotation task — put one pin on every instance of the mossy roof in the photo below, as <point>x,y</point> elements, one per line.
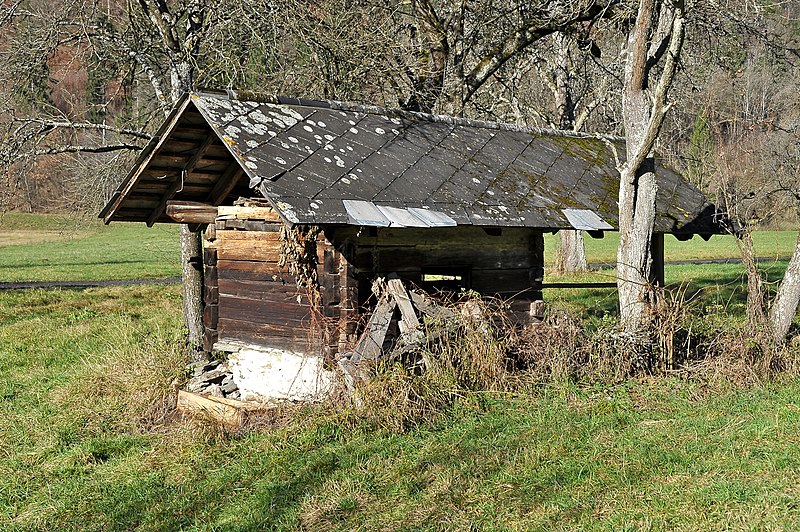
<point>322,162</point>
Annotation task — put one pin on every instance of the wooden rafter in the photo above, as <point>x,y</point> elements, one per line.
<point>178,183</point>
<point>147,155</point>
<point>225,184</point>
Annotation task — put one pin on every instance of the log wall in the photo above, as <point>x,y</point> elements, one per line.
<point>249,297</point>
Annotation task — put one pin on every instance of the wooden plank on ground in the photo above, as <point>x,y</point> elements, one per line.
<point>228,415</point>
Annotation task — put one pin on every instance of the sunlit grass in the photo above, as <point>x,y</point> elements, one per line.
<point>768,244</point>
<point>88,440</point>
<point>87,443</point>
<point>59,248</point>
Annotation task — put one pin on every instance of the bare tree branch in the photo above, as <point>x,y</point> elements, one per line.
<point>49,125</point>
<point>54,150</point>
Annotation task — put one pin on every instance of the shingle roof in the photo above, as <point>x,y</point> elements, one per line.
<point>335,163</point>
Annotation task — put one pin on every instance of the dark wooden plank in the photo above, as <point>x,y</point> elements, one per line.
<point>277,276</point>
<point>209,256</point>
<point>210,316</point>
<point>264,291</point>
<point>210,294</point>
<point>272,237</point>
<point>248,251</point>
<point>265,267</point>
<point>503,282</point>
<point>267,312</point>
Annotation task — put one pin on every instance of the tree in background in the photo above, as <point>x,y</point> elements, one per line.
<point>743,149</point>
<point>655,41</point>
<point>151,50</point>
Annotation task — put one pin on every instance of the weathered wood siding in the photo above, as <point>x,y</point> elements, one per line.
<point>250,297</point>
<point>339,291</point>
<point>509,262</point>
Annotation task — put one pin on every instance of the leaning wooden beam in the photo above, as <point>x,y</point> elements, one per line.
<point>370,343</point>
<point>191,212</point>
<point>179,182</point>
<point>409,322</point>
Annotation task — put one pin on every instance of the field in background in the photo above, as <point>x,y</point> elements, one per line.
<point>35,247</point>
<point>88,440</point>
<point>768,244</point>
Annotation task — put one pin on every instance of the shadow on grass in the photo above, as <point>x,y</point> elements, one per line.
<point>60,263</point>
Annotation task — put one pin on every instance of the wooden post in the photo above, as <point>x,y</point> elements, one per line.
<point>192,267</point>
<point>537,274</point>
<point>657,254</point>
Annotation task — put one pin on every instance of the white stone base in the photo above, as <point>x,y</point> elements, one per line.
<point>266,374</point>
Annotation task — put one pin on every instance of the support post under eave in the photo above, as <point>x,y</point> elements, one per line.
<point>192,269</point>
<point>537,274</point>
<point>657,254</point>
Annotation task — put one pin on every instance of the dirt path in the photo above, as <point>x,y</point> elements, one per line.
<point>84,284</point>
<point>174,280</point>
<point>734,260</point>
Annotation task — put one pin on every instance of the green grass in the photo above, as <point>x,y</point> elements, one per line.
<point>82,448</point>
<point>88,440</point>
<point>769,244</point>
<point>60,248</point>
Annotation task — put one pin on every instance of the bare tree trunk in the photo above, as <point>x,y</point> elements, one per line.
<point>755,282</point>
<point>636,221</point>
<point>656,36</point>
<point>571,254</point>
<point>192,269</point>
<point>786,300</point>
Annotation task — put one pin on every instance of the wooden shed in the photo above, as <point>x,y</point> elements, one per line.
<point>339,194</point>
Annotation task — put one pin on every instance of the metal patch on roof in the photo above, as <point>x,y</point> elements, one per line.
<point>432,218</point>
<point>585,220</point>
<point>365,213</point>
<point>401,217</point>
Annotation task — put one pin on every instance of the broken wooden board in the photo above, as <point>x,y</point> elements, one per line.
<point>370,343</point>
<point>427,307</point>
<point>230,413</point>
<point>409,321</point>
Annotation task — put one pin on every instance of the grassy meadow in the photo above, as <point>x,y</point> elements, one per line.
<point>64,248</point>
<point>89,439</point>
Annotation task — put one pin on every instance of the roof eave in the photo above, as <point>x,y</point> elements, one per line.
<point>148,152</point>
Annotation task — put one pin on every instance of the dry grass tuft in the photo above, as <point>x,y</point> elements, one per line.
<point>482,352</point>
<point>130,384</point>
